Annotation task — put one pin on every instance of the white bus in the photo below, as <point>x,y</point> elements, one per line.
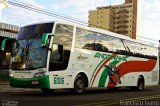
<point>63,55</point>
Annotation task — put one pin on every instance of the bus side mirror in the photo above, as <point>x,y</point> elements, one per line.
<point>4,42</point>
<point>45,37</point>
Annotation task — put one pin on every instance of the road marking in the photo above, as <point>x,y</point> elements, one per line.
<point>118,101</point>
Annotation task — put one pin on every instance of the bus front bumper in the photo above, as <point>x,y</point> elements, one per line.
<point>38,82</point>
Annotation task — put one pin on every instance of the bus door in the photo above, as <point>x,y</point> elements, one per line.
<point>60,54</point>
<point>58,64</point>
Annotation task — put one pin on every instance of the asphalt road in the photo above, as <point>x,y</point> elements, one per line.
<point>92,97</point>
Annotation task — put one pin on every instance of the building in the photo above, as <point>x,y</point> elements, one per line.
<point>6,31</point>
<point>120,19</point>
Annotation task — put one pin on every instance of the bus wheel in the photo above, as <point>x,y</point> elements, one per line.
<point>47,91</point>
<point>140,85</point>
<point>79,85</point>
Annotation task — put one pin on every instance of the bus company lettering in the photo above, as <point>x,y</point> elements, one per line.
<point>106,56</point>
<point>82,57</point>
<point>58,80</point>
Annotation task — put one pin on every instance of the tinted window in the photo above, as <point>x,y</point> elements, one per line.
<point>100,42</point>
<point>105,42</point>
<point>61,47</point>
<point>85,39</point>
<point>34,31</point>
<point>93,41</point>
<point>63,36</point>
<point>118,46</point>
<point>141,50</point>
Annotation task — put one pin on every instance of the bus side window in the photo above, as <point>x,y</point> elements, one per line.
<point>56,58</point>
<point>56,53</point>
<point>63,42</point>
<point>66,55</point>
<point>118,46</point>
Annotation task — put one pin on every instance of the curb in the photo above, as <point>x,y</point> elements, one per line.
<point>4,83</point>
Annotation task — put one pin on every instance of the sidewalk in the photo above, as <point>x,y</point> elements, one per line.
<point>4,77</point>
<point>7,88</point>
<point>4,83</point>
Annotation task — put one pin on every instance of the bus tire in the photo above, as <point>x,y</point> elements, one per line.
<point>79,85</point>
<point>47,91</point>
<point>140,84</point>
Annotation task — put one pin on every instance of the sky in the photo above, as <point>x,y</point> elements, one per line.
<point>150,23</point>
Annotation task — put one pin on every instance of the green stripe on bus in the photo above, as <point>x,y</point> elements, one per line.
<point>27,82</point>
<point>44,82</point>
<point>96,70</point>
<point>104,75</point>
<point>102,64</point>
<point>103,78</point>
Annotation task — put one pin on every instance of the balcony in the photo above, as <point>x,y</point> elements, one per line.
<point>122,27</point>
<point>122,31</point>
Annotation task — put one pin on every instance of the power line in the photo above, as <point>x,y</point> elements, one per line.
<point>39,10</point>
<point>53,14</point>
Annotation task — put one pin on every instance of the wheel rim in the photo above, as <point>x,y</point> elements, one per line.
<point>79,85</point>
<point>141,86</point>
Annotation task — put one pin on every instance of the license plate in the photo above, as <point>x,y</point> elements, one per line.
<point>35,82</point>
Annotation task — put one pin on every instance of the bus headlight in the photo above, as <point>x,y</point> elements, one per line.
<point>39,74</point>
<point>10,74</point>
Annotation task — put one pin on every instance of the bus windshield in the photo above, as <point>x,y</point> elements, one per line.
<point>29,55</point>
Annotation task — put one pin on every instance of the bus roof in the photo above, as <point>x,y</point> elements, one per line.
<point>108,33</point>
<point>100,31</point>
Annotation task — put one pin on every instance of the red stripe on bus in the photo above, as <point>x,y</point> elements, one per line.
<point>133,66</point>
<point>102,67</point>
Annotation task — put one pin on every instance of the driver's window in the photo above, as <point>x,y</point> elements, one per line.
<point>56,53</point>
<point>61,47</point>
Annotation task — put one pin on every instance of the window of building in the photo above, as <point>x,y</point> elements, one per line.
<point>122,22</point>
<point>122,17</point>
<point>122,31</point>
<point>123,26</point>
<point>123,11</point>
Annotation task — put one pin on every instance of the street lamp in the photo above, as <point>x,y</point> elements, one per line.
<point>3,4</point>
